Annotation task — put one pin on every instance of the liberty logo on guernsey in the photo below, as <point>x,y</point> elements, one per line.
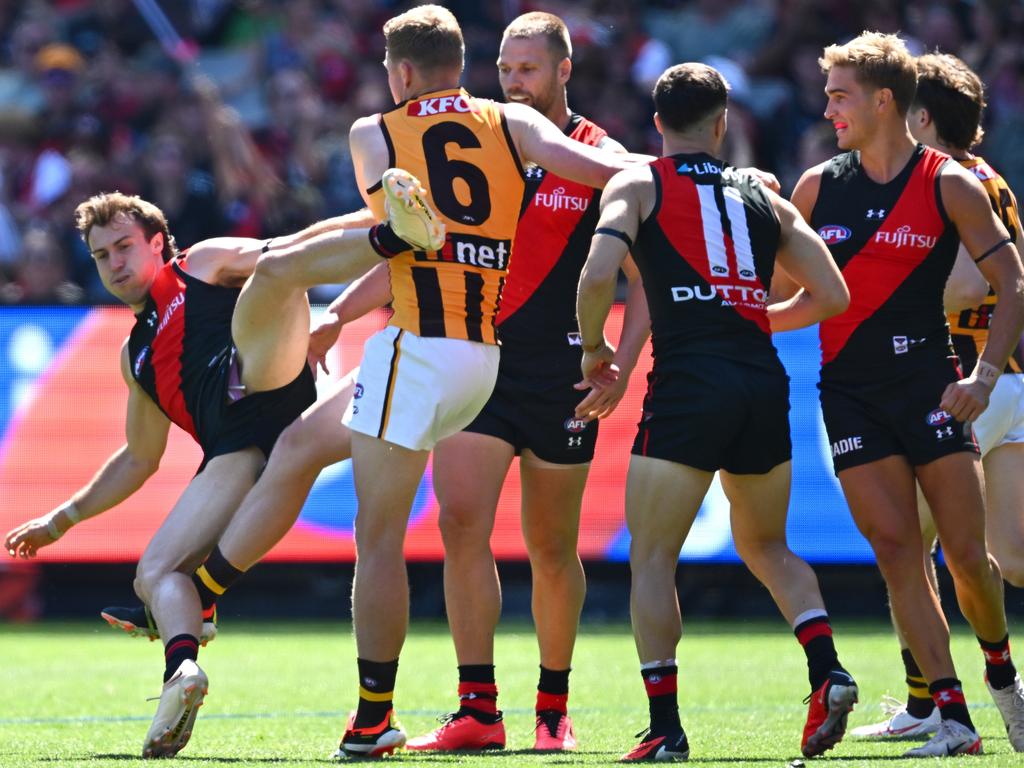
<point>557,200</point>
<point>438,105</point>
<point>904,238</point>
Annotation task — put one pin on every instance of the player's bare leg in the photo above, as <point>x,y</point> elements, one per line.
<point>662,501</point>
<point>386,479</point>
<point>882,498</point>
<point>758,508</point>
<point>468,500</point>
<point>312,442</point>
<point>163,582</point>
<point>1004,489</point>
<point>552,497</point>
<point>953,487</point>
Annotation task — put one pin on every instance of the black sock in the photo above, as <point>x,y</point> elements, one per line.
<point>214,577</point>
<point>376,691</point>
<point>948,695</point>
<point>999,668</point>
<point>919,699</point>
<point>553,680</point>
<point>815,635</point>
<point>179,648</point>
<point>385,242</point>
<point>661,684</point>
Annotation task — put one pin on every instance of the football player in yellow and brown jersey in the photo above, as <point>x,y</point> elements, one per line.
<point>430,372</point>
<point>946,114</point>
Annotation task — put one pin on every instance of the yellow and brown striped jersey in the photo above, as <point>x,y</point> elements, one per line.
<point>969,328</point>
<point>459,147</point>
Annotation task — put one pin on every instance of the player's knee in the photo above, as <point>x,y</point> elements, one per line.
<point>145,582</point>
<point>275,267</point>
<point>462,525</point>
<point>969,562</point>
<point>552,553</point>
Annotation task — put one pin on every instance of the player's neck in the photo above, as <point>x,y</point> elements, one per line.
<point>686,146</point>
<point>423,88</point>
<point>886,154</point>
<point>560,114</point>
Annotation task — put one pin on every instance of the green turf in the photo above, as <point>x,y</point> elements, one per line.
<point>76,694</point>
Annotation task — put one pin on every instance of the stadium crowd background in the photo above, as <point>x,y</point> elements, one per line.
<point>257,145</point>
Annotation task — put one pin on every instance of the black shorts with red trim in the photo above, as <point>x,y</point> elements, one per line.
<point>537,413</point>
<point>719,414</point>
<point>899,416</point>
<point>226,425</point>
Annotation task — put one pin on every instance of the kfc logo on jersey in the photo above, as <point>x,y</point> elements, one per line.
<point>438,105</point>
<point>938,417</point>
<point>140,360</point>
<point>574,425</point>
<point>904,238</point>
<point>833,234</point>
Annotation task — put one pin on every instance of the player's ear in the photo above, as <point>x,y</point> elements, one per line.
<point>156,244</point>
<point>657,123</point>
<point>883,98</point>
<point>564,70</point>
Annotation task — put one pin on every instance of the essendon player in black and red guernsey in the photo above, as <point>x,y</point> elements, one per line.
<point>219,348</point>
<point>707,240</point>
<point>894,405</point>
<point>530,414</point>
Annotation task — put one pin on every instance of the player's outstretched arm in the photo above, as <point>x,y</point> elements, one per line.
<point>993,251</point>
<point>363,295</point>
<point>146,429</point>
<point>539,141</point>
<point>805,259</point>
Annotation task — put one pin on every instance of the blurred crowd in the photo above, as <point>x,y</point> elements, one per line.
<point>233,116</point>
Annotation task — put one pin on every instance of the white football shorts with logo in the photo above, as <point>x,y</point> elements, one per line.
<point>1003,421</point>
<point>415,391</point>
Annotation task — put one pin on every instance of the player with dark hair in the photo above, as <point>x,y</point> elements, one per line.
<point>707,240</point>
<point>895,406</point>
<point>946,115</point>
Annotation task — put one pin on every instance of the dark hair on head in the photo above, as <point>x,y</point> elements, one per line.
<point>546,25</point>
<point>878,61</point>
<point>101,210</point>
<point>428,36</point>
<point>954,97</point>
<point>687,94</point>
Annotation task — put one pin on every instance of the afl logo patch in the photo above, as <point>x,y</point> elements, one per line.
<point>358,392</point>
<point>937,417</point>
<point>575,425</point>
<point>833,234</point>
<point>140,360</point>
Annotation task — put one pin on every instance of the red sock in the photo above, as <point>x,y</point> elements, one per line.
<point>482,697</point>
<point>552,701</point>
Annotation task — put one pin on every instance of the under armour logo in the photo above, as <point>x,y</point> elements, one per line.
<point>942,434</point>
<point>945,697</point>
<point>575,442</point>
<point>534,172</point>
<point>151,320</point>
<point>875,214</point>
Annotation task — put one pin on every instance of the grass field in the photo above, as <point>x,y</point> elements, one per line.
<point>75,695</point>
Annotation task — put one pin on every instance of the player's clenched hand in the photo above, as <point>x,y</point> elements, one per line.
<point>321,339</point>
<point>965,400</point>
<point>28,538</point>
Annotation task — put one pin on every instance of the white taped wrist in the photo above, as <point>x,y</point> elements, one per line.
<point>51,527</point>
<point>986,373</point>
<point>71,513</point>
